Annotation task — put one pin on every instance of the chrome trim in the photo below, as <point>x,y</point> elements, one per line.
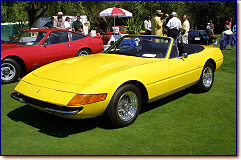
<point>61,112</point>
<point>17,97</point>
<point>207,77</point>
<point>127,106</point>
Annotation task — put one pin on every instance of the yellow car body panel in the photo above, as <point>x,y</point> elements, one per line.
<point>58,82</point>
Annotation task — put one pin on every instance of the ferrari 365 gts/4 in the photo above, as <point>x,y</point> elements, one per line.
<point>132,72</point>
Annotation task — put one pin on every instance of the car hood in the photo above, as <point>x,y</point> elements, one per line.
<point>88,69</point>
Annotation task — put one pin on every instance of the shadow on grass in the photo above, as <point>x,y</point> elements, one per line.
<point>167,99</point>
<point>53,125</point>
<point>60,127</point>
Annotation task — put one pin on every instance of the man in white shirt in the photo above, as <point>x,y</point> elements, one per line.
<point>147,25</point>
<point>67,25</point>
<point>174,25</point>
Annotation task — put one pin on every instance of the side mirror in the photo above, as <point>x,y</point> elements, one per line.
<point>45,45</point>
<point>184,55</point>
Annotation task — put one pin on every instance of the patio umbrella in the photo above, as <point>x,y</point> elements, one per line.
<point>115,12</point>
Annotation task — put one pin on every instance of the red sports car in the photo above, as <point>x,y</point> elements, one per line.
<point>34,48</point>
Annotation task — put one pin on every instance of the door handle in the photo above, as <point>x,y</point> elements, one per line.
<point>68,45</point>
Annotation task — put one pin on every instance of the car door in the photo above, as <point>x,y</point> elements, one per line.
<point>56,47</point>
<point>78,41</point>
<point>183,71</point>
<point>155,74</point>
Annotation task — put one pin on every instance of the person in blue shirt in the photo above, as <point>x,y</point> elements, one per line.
<point>234,28</point>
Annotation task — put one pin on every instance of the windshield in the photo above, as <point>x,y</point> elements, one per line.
<point>28,38</point>
<point>141,46</point>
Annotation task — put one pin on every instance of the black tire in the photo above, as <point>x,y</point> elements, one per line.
<point>207,77</point>
<point>10,71</point>
<point>118,115</point>
<point>83,52</point>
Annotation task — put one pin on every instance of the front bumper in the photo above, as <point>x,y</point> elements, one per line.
<point>55,101</point>
<point>47,107</point>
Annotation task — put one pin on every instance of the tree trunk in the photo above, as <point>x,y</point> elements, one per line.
<point>32,9</point>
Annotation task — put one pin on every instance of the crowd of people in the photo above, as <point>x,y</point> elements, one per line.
<point>76,26</point>
<point>178,29</point>
<point>169,26</point>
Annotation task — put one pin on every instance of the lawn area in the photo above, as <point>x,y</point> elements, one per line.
<point>185,123</point>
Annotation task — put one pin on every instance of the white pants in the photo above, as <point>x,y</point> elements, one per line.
<point>185,38</point>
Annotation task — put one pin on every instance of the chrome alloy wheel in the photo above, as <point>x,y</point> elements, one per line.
<point>8,71</point>
<point>127,106</point>
<point>83,53</point>
<point>207,77</point>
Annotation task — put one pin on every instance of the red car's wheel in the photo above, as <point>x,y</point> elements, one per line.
<point>83,52</point>
<point>10,70</point>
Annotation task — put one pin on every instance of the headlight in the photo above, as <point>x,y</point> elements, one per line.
<point>81,99</point>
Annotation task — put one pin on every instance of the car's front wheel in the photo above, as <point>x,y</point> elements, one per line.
<point>124,106</point>
<point>10,71</point>
<point>83,52</point>
<point>206,80</point>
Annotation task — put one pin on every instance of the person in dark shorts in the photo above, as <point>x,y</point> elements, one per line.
<point>174,25</point>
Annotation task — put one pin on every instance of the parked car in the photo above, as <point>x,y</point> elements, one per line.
<point>34,48</point>
<point>132,72</point>
<point>198,37</point>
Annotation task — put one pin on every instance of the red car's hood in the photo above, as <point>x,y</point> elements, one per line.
<point>12,46</point>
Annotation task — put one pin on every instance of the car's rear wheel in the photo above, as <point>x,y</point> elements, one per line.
<point>206,80</point>
<point>10,71</point>
<point>124,106</point>
<point>83,52</point>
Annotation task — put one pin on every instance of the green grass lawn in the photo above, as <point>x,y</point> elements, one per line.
<point>186,123</point>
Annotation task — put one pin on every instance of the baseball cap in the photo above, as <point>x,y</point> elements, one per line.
<point>174,14</point>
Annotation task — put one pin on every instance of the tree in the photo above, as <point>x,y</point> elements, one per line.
<point>199,12</point>
<point>35,10</point>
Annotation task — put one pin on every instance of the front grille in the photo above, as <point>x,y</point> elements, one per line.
<point>43,104</point>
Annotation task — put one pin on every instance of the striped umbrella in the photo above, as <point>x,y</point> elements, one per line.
<point>115,12</point>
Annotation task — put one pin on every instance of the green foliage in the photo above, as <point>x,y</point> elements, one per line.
<point>134,25</point>
<point>13,12</point>
<point>199,12</point>
<point>19,28</point>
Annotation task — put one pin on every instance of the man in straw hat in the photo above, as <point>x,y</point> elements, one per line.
<point>59,22</point>
<point>156,24</point>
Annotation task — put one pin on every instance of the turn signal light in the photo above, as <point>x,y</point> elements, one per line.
<point>81,99</point>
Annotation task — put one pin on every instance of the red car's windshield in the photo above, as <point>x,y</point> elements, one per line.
<point>28,38</point>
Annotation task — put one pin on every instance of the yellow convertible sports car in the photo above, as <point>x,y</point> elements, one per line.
<point>132,72</point>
